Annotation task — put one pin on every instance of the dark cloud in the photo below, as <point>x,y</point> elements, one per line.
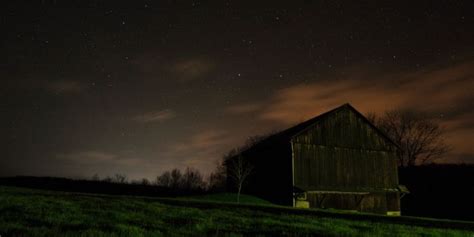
<point>157,116</point>
<point>428,90</point>
<point>191,69</point>
<point>66,86</point>
<point>200,150</point>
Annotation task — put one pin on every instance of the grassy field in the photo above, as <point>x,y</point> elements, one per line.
<point>27,212</point>
<point>230,198</point>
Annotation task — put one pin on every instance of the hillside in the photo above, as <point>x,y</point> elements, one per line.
<point>229,198</point>
<point>28,212</point>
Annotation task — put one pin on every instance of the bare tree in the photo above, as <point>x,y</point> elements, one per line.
<point>107,179</point>
<point>172,179</point>
<point>238,170</point>
<point>192,179</point>
<point>164,179</point>
<point>120,178</point>
<point>420,138</point>
<point>176,180</point>
<point>217,179</point>
<point>145,182</point>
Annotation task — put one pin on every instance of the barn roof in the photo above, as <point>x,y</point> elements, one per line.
<point>291,132</point>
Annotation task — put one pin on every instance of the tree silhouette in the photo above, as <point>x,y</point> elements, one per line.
<point>217,179</point>
<point>176,181</point>
<point>238,170</point>
<point>192,179</point>
<point>420,138</point>
<point>120,178</point>
<point>164,179</point>
<point>145,181</point>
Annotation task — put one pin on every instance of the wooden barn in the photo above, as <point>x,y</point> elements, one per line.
<point>336,160</point>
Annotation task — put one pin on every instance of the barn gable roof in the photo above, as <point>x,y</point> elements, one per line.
<point>291,132</point>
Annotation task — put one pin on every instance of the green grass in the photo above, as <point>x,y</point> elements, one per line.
<point>26,212</point>
<point>231,198</point>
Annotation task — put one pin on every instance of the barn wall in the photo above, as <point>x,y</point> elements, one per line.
<point>332,168</point>
<point>343,152</point>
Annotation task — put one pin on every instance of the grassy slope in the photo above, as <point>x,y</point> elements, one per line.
<point>25,212</point>
<point>230,197</point>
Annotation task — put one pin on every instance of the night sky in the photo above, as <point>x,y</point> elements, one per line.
<point>139,87</point>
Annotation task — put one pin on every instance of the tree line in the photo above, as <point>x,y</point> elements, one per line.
<point>189,180</point>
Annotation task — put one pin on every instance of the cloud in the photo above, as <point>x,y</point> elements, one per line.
<point>203,140</point>
<point>376,91</point>
<point>157,116</point>
<point>244,108</point>
<point>87,157</point>
<point>96,157</point>
<point>200,150</point>
<point>65,86</point>
<point>459,132</point>
<point>190,69</point>
<point>157,66</point>
<point>87,163</point>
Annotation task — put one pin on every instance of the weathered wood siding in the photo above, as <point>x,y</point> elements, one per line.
<point>343,152</point>
<point>346,129</point>
<point>333,168</point>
